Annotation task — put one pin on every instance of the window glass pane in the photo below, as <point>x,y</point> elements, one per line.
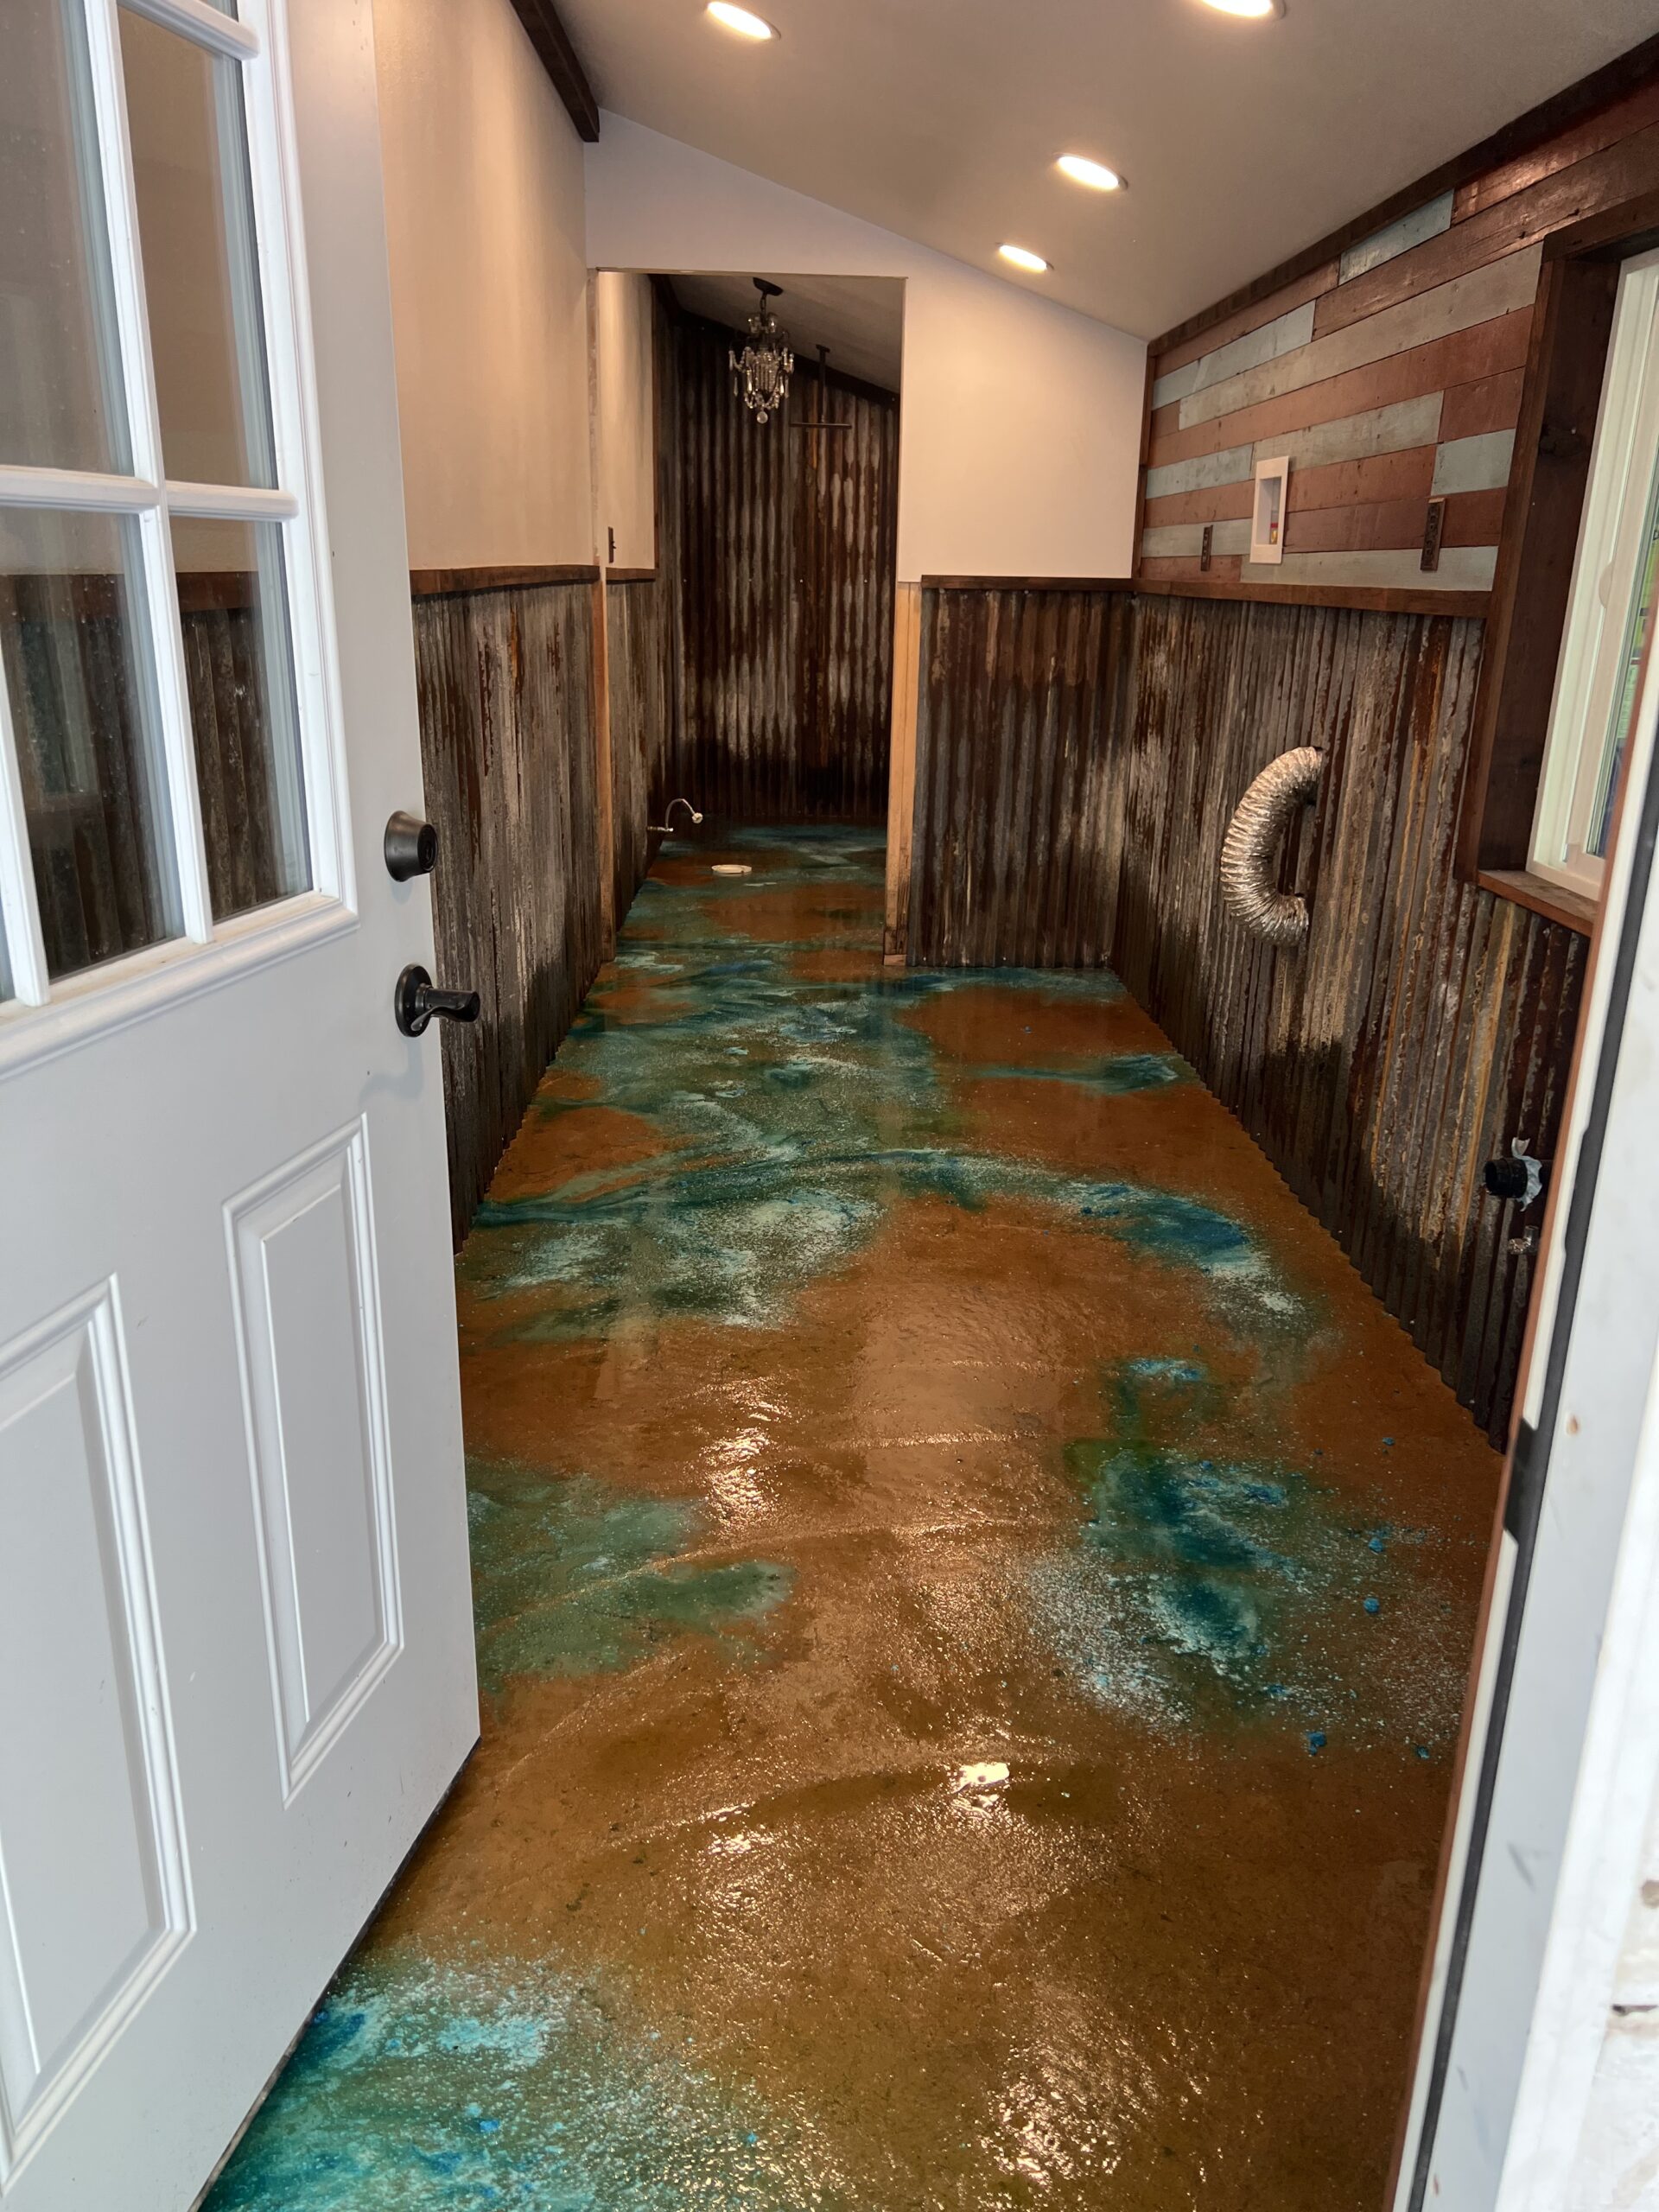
<point>196,228</point>
<point>60,380</point>
<point>1605,803</point>
<point>74,640</point>
<point>240,665</point>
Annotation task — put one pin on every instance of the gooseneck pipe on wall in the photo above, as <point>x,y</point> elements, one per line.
<point>1247,851</point>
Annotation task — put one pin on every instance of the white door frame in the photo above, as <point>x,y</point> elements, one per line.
<point>1562,1745</point>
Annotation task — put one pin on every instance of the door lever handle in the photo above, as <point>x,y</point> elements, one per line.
<point>417,998</point>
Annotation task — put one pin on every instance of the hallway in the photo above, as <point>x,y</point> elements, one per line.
<point>973,1603</point>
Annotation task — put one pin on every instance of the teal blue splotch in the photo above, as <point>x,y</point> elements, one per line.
<point>570,1577</point>
<point>426,2087</point>
<point>1116,1078</point>
<point>794,1115</point>
<point>1203,1592</point>
<point>733,1241</point>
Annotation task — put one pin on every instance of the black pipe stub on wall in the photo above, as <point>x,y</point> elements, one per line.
<point>1520,1178</point>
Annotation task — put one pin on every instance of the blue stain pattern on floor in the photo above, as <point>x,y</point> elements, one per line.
<point>794,1118</point>
<point>945,1597</point>
<point>567,1578</point>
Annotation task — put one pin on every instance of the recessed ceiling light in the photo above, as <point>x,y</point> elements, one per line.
<point>1023,258</point>
<point>740,21</point>
<point>1247,7</point>
<point>1095,175</point>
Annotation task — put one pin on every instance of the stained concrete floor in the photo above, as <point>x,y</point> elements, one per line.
<point>973,1597</point>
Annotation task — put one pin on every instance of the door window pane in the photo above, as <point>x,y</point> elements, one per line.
<point>240,664</point>
<point>195,228</point>
<point>73,642</point>
<point>59,378</point>
<point>1604,800</point>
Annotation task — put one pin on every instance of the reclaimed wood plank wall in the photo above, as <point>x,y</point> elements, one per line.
<point>787,564</point>
<point>505,680</point>
<point>1390,375</point>
<point>1070,811</point>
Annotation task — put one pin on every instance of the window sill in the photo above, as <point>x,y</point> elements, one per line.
<point>1536,893</point>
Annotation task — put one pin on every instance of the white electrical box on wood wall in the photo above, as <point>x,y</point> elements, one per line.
<point>1268,515</point>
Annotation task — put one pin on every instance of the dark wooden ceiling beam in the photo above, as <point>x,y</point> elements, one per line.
<point>559,58</point>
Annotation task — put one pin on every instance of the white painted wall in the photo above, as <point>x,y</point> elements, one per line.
<point>624,418</point>
<point>489,277</point>
<point>1021,424</point>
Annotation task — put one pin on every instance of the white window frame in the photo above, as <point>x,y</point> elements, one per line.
<point>1612,543</point>
<point>45,1016</point>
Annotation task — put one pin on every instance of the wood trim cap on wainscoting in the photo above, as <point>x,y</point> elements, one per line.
<point>435,583</point>
<point>1369,599</point>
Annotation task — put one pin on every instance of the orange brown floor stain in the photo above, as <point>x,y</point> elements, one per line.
<point>974,1596</point>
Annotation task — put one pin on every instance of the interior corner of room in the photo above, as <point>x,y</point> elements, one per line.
<point>827,975</point>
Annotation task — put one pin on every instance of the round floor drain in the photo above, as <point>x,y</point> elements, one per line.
<point>730,868</point>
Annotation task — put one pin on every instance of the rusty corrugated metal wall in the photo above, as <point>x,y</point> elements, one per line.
<point>505,690</point>
<point>644,669</point>
<point>643,630</point>
<point>787,551</point>
<point>1078,757</point>
<point>1013,751</point>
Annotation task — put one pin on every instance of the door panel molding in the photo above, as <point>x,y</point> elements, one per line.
<point>304,1288</point>
<point>85,1933</point>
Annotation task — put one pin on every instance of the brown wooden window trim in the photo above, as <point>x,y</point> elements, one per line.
<point>1572,327</point>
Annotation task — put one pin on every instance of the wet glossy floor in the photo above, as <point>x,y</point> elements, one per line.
<point>973,1597</point>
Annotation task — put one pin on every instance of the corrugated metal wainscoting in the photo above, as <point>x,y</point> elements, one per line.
<point>787,547</point>
<point>506,687</point>
<point>643,632</point>
<point>1079,754</point>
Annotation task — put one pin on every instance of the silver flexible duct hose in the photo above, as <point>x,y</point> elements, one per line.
<point>1250,848</point>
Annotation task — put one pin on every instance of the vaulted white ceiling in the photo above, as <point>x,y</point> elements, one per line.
<point>1241,141</point>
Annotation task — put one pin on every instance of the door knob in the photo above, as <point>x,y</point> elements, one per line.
<point>417,998</point>
<point>410,847</point>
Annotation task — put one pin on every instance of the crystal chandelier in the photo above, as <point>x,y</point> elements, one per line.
<point>761,372</point>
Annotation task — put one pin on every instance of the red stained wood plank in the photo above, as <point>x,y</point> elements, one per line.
<point>1487,403</point>
<point>1384,476</point>
<point>1218,503</point>
<point>1621,120</point>
<point>1474,517</point>
<point>1370,526</point>
<point>1620,172</point>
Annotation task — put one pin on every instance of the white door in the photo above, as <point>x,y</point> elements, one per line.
<point>236,1668</point>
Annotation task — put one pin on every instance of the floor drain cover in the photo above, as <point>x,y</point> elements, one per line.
<point>731,867</point>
